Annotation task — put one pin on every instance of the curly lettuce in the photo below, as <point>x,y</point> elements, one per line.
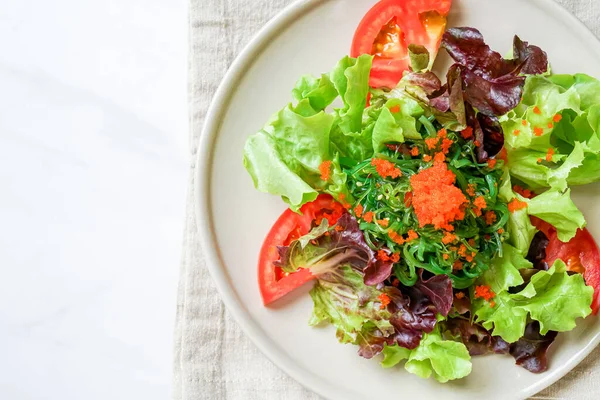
<point>554,298</point>
<point>445,360</point>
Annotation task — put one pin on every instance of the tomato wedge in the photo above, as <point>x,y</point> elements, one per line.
<point>390,26</point>
<point>581,255</point>
<point>273,282</point>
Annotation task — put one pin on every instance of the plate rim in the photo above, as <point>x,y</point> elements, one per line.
<point>202,202</point>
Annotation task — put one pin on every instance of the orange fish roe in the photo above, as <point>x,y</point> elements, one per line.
<point>458,265</point>
<point>462,250</point>
<point>549,154</point>
<point>368,216</point>
<point>467,133</point>
<point>490,217</point>
<point>414,151</point>
<point>487,237</point>
<point>523,192</point>
<point>516,204</point>
<point>448,237</point>
<point>342,199</point>
<point>395,257</point>
<point>524,122</point>
<point>446,144</point>
<point>501,231</point>
<point>431,142</point>
<point>395,282</point>
<point>445,256</point>
<point>358,210</point>
<point>339,228</point>
<point>435,198</point>
<point>484,292</point>
<point>492,304</point>
<point>396,237</point>
<point>536,110</point>
<point>383,222</point>
<point>442,133</point>
<point>492,163</point>
<point>385,168</point>
<point>471,242</point>
<point>412,235</point>
<point>503,155</point>
<point>538,131</point>
<point>408,199</point>
<point>426,158</point>
<point>550,125</point>
<point>539,160</point>
<point>516,132</point>
<point>382,255</point>
<point>439,157</point>
<point>557,118</point>
<point>477,143</point>
<point>471,190</point>
<point>479,205</point>
<point>395,109</point>
<point>460,295</point>
<point>325,169</point>
<point>384,299</point>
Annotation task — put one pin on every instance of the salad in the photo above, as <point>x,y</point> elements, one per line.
<point>434,214</point>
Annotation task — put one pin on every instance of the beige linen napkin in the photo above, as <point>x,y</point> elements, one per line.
<point>213,358</point>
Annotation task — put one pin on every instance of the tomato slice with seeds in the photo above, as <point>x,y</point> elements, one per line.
<point>273,282</point>
<point>580,254</point>
<point>390,26</point>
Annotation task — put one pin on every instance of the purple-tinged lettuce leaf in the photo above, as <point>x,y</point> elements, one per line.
<point>412,314</point>
<point>534,59</point>
<point>537,251</point>
<point>341,297</point>
<point>491,84</point>
<point>495,96</point>
<point>493,137</point>
<point>467,47</point>
<point>530,351</point>
<point>477,339</point>
<point>439,290</point>
<point>322,250</point>
<point>427,81</point>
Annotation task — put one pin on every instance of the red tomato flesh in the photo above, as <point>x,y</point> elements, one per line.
<point>390,27</point>
<point>581,254</point>
<point>273,282</point>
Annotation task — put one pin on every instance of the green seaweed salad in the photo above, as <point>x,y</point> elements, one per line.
<point>436,219</point>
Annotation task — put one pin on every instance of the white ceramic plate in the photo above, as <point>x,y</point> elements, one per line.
<point>310,37</point>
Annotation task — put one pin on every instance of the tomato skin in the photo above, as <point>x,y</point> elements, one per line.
<point>389,66</point>
<point>273,283</point>
<point>581,254</point>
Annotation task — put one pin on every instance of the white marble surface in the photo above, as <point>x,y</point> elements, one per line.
<point>93,171</point>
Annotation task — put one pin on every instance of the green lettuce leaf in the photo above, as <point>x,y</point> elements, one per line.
<point>342,298</point>
<point>320,92</point>
<point>284,157</point>
<point>419,57</point>
<point>553,298</point>
<point>503,272</point>
<point>444,359</point>
<point>556,299</point>
<point>539,93</point>
<point>271,174</point>
<point>351,79</point>
<point>520,229</point>
<point>504,319</point>
<point>566,110</point>
<point>386,130</point>
<point>557,208</point>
